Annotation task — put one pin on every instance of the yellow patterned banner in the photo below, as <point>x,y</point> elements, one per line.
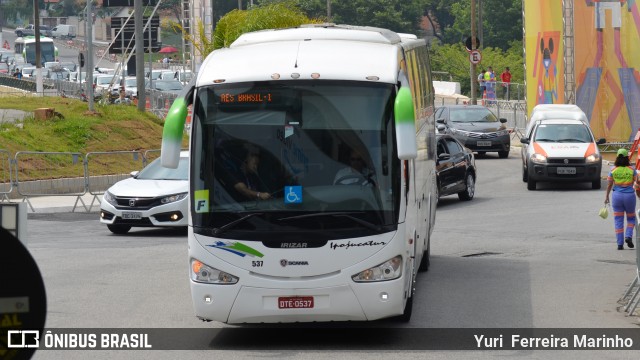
<point>544,52</point>
<point>607,58</point>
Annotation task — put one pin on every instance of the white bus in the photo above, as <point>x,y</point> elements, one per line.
<point>18,45</point>
<point>274,234</point>
<point>48,51</point>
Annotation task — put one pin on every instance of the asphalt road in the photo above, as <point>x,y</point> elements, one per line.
<point>510,258</point>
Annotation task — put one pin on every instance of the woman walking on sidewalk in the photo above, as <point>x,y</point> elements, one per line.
<point>622,179</point>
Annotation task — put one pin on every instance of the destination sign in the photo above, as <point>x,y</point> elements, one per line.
<point>245,98</point>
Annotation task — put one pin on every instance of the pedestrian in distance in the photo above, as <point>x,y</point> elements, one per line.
<point>623,180</point>
<point>505,77</point>
<point>481,82</point>
<point>490,85</point>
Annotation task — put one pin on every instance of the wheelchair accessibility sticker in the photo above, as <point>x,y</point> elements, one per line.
<point>293,194</point>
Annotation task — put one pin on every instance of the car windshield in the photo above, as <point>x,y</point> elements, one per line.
<point>104,80</point>
<point>568,133</point>
<point>155,171</point>
<point>167,85</point>
<point>28,71</point>
<point>469,115</point>
<point>68,65</point>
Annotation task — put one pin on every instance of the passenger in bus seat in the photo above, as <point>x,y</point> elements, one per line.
<point>357,173</point>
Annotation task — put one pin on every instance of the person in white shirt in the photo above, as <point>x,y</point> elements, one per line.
<point>356,174</point>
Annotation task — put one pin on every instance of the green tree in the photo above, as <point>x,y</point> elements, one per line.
<point>454,59</point>
<point>396,15</point>
<point>236,22</point>
<point>174,6</point>
<point>501,20</point>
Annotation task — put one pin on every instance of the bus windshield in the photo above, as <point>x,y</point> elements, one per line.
<point>47,52</point>
<point>311,158</point>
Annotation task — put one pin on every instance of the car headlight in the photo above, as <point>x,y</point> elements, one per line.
<point>502,132</point>
<point>206,274</point>
<point>454,131</point>
<point>388,270</point>
<point>538,158</point>
<point>173,198</point>
<point>108,197</point>
<point>593,158</point>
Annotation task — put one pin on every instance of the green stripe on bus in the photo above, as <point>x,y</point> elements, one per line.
<point>404,107</point>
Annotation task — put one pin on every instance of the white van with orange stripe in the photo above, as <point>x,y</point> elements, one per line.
<point>560,147</point>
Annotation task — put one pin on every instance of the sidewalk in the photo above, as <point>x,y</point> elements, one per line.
<point>63,203</point>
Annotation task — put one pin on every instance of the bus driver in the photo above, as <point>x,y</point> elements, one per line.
<point>246,179</point>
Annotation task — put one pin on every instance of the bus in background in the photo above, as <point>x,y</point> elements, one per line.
<point>48,51</point>
<point>312,176</point>
<point>18,45</point>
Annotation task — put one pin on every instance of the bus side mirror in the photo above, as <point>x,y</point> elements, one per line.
<point>405,125</point>
<point>174,129</point>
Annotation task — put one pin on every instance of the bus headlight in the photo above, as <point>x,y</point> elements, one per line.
<point>206,274</point>
<point>593,158</point>
<point>388,270</point>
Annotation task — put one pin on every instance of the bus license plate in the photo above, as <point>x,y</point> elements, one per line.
<point>484,143</point>
<point>295,302</point>
<point>132,215</point>
<point>566,171</point>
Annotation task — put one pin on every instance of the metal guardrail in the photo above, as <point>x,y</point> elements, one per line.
<point>631,297</point>
<point>36,174</point>
<point>6,176</point>
<point>33,173</point>
<point>114,166</point>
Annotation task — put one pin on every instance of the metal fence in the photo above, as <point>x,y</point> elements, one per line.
<point>631,298</point>
<point>32,173</point>
<point>157,102</point>
<point>6,177</point>
<point>104,169</point>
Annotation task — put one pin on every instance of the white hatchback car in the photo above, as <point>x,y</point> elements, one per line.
<point>155,196</point>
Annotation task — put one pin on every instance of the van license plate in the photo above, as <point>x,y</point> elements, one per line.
<point>132,215</point>
<point>295,302</point>
<point>566,171</point>
<point>484,143</point>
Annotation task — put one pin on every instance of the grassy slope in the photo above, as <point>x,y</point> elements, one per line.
<point>110,128</point>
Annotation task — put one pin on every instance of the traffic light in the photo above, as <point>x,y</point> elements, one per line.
<point>81,60</point>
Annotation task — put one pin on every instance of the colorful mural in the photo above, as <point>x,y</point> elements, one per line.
<point>544,52</point>
<point>607,59</point>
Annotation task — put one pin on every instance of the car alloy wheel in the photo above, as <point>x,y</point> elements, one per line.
<point>470,188</point>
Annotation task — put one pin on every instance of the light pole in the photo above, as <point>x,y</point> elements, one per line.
<point>472,66</point>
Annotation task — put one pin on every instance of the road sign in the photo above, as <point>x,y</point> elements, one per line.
<point>475,57</point>
<point>469,45</point>
<point>123,43</point>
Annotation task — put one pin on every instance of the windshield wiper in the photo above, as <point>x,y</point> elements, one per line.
<point>544,140</point>
<point>223,228</point>
<point>347,215</point>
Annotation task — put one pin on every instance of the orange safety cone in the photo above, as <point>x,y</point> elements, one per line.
<point>189,110</point>
<point>147,104</point>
